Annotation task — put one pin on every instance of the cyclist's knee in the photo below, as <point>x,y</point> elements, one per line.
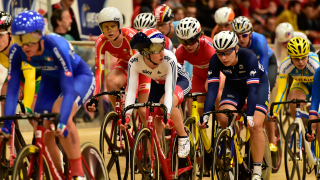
<point>142,113</point>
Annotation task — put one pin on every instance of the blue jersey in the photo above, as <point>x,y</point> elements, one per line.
<point>58,61</point>
<point>248,72</point>
<point>315,94</point>
<point>259,46</point>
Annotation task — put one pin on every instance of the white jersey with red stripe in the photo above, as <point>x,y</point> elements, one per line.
<point>166,73</point>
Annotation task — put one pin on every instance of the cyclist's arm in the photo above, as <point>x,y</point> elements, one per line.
<point>29,73</point>
<point>213,84</point>
<point>133,77</point>
<point>315,94</point>
<point>171,81</point>
<point>13,81</point>
<point>99,66</point>
<point>262,47</point>
<point>277,50</point>
<point>252,84</point>
<point>283,85</point>
<point>62,58</point>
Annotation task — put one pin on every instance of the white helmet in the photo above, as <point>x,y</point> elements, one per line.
<point>144,20</point>
<point>224,15</point>
<point>284,32</point>
<point>241,24</point>
<point>188,28</point>
<point>110,14</point>
<point>225,40</point>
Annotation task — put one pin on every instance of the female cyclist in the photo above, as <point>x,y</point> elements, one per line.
<point>245,78</point>
<point>67,82</point>
<point>170,83</point>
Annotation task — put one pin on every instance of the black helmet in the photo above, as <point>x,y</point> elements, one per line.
<point>5,20</point>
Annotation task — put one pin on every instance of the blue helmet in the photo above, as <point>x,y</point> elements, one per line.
<point>28,22</point>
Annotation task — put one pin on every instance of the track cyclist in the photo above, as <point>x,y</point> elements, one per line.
<point>301,64</point>
<point>245,78</point>
<point>67,82</point>
<point>28,73</point>
<point>170,83</point>
<point>285,32</point>
<point>197,49</point>
<point>116,40</point>
<point>257,43</point>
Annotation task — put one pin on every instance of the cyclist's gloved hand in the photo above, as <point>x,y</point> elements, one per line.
<point>91,106</point>
<point>204,124</point>
<point>250,122</point>
<point>272,118</point>
<point>61,131</point>
<point>126,125</point>
<point>169,124</point>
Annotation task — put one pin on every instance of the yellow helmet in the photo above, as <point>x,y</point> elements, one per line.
<point>298,47</point>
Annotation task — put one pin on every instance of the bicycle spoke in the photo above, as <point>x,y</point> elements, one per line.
<point>298,171</point>
<point>293,169</point>
<point>106,137</point>
<point>111,162</point>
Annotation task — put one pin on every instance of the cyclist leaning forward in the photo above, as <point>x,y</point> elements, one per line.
<point>116,40</point>
<point>257,43</point>
<point>67,82</point>
<point>301,64</point>
<point>245,78</point>
<point>29,76</point>
<point>170,83</point>
<point>197,50</point>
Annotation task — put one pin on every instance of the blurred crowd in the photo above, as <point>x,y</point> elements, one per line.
<point>265,15</point>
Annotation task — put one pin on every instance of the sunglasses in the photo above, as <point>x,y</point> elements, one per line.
<point>222,25</point>
<point>26,39</point>
<point>155,48</point>
<point>244,35</point>
<point>226,53</point>
<point>190,41</point>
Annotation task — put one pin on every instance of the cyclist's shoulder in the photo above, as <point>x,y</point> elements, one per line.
<point>100,41</point>
<point>135,58</point>
<point>128,33</point>
<point>169,56</point>
<point>313,57</point>
<point>286,66</point>
<point>247,55</point>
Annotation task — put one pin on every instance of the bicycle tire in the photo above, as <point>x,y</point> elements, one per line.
<point>189,122</point>
<point>140,152</point>
<point>294,128</point>
<point>115,154</point>
<point>23,161</point>
<point>219,170</point>
<point>183,162</point>
<point>277,157</point>
<point>94,161</point>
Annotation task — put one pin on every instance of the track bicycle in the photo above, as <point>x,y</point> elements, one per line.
<point>34,161</point>
<point>232,158</point>
<point>297,149</point>
<point>202,144</point>
<point>153,163</point>
<point>16,143</point>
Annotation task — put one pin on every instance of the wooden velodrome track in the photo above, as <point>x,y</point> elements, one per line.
<point>92,135</point>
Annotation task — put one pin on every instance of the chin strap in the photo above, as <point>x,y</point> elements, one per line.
<point>7,45</point>
<point>151,60</point>
<point>39,48</point>
<point>118,35</point>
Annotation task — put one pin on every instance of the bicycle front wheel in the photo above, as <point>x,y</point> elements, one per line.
<point>112,149</point>
<point>93,162</point>
<point>225,162</point>
<point>141,157</point>
<point>277,156</point>
<point>26,166</point>
<point>293,163</point>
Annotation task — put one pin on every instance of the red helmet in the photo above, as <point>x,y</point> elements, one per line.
<point>163,13</point>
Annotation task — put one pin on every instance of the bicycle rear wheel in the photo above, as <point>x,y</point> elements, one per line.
<point>111,148</point>
<point>28,154</point>
<point>199,166</point>
<point>225,162</point>
<point>277,156</point>
<point>140,161</point>
<point>94,161</point>
<point>291,154</point>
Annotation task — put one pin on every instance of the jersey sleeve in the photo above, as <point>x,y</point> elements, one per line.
<point>179,55</point>
<point>63,60</point>
<point>277,50</point>
<point>29,73</point>
<point>15,60</point>
<point>262,47</point>
<point>315,94</point>
<point>133,77</point>
<point>213,84</point>
<point>253,80</point>
<point>171,81</point>
<point>99,64</point>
